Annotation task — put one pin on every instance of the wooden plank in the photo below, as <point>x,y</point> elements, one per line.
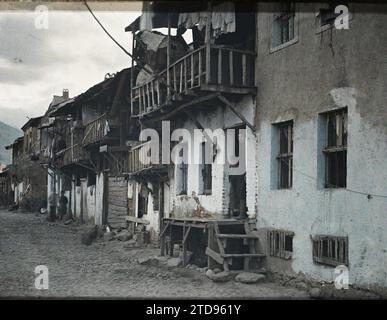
<point>243,255</point>
<point>181,78</point>
<point>231,66</point>
<point>192,71</point>
<point>244,70</point>
<point>237,236</point>
<point>219,66</point>
<point>186,234</point>
<point>200,68</point>
<point>136,220</point>
<point>214,255</point>
<point>185,75</point>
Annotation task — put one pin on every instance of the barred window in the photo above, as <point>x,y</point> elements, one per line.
<point>335,150</point>
<point>280,243</point>
<point>283,25</point>
<point>330,250</point>
<point>285,155</point>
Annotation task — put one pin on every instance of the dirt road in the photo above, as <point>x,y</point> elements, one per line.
<point>103,269</point>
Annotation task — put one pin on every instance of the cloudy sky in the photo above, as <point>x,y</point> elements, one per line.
<point>73,53</point>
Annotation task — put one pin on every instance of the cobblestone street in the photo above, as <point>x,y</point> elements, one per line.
<point>103,269</point>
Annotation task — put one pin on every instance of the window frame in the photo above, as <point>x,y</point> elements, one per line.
<point>183,176</point>
<point>321,28</point>
<point>205,172</point>
<point>280,15</point>
<point>277,243</point>
<point>328,150</point>
<point>341,249</point>
<point>288,155</point>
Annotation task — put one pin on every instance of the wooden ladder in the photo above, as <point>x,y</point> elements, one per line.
<point>218,244</point>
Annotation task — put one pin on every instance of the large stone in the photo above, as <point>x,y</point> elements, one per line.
<point>145,260</point>
<point>124,236</point>
<point>315,293</point>
<point>108,236</point>
<point>222,276</point>
<point>249,277</point>
<point>174,262</point>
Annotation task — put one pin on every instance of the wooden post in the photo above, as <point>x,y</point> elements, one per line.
<point>200,68</point>
<point>208,43</point>
<point>169,57</point>
<point>210,231</point>
<point>184,245</point>
<point>132,76</point>
<point>192,71</point>
<point>219,66</point>
<point>231,58</point>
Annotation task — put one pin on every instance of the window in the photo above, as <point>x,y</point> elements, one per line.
<point>330,250</point>
<point>283,28</point>
<point>285,155</point>
<point>182,174</point>
<point>335,149</point>
<point>205,172</point>
<point>280,243</point>
<point>327,15</point>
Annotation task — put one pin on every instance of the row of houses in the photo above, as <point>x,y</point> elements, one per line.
<point>262,143</point>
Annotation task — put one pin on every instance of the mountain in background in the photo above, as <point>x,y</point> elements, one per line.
<point>8,134</point>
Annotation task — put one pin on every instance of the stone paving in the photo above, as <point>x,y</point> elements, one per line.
<point>103,269</point>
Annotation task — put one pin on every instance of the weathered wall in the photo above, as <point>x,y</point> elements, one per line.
<point>321,72</point>
<point>99,190</point>
<point>217,203</point>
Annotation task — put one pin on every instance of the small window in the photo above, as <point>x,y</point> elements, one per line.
<point>280,243</point>
<point>335,149</point>
<point>283,28</point>
<point>91,179</point>
<point>205,172</point>
<point>285,155</point>
<point>156,196</point>
<point>327,15</point>
<point>182,178</point>
<point>330,250</point>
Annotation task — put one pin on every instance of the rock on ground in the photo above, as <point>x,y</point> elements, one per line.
<point>104,269</point>
<point>222,276</point>
<point>249,277</point>
<point>124,236</point>
<point>174,262</point>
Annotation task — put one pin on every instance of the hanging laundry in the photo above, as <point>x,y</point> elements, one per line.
<point>223,18</point>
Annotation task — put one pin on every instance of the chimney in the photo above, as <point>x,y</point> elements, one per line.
<point>65,94</point>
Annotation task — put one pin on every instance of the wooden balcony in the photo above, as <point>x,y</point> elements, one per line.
<point>206,69</point>
<point>138,160</point>
<point>74,154</point>
<point>100,130</point>
<point>74,151</point>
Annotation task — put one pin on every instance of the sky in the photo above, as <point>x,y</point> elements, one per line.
<point>73,53</point>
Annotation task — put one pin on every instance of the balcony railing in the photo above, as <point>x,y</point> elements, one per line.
<point>140,159</point>
<point>96,130</point>
<point>74,154</point>
<point>214,68</point>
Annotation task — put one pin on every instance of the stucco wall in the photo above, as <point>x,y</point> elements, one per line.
<point>217,203</point>
<point>322,72</point>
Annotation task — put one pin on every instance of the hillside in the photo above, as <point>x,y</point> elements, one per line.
<point>7,135</point>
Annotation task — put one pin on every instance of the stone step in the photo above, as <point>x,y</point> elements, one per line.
<point>243,255</point>
<point>236,236</point>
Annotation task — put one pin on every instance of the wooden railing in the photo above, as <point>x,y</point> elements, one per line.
<point>221,66</point>
<point>74,154</point>
<point>96,130</point>
<point>138,158</point>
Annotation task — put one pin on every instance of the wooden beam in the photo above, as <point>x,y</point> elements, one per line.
<point>186,234</point>
<point>236,112</point>
<point>136,220</point>
<point>214,255</point>
<point>185,105</point>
